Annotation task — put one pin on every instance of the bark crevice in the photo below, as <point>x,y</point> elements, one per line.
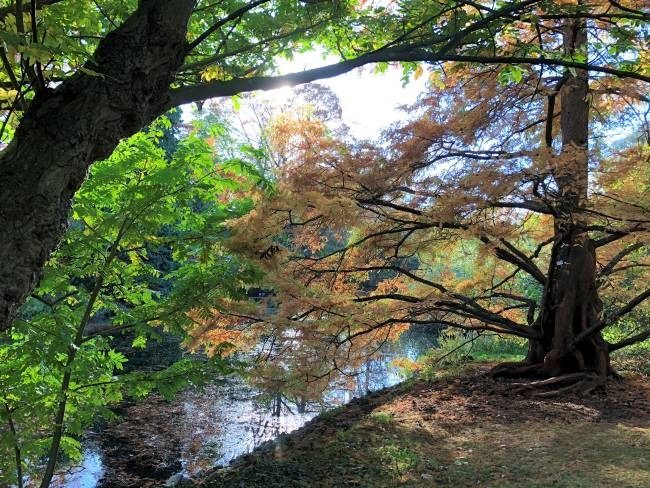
<point>123,88</point>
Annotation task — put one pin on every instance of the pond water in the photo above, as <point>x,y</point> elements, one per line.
<point>229,418</point>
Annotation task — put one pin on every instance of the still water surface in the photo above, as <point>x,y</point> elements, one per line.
<point>227,419</point>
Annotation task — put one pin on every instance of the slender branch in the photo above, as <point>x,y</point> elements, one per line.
<point>58,427</point>
<point>611,197</point>
<point>16,445</point>
<point>232,16</point>
<point>388,296</point>
<point>455,349</point>
<point>498,328</point>
<point>609,267</point>
<point>105,14</point>
<point>630,266</point>
<point>111,330</point>
<point>485,22</point>
<point>9,70</point>
<point>597,16</point>
<point>640,337</point>
<point>53,303</point>
<point>531,205</point>
<point>360,241</point>
<point>218,56</point>
<point>384,203</point>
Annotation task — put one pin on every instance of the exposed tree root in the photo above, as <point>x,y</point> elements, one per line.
<point>585,386</point>
<point>615,374</point>
<point>571,377</point>
<point>581,383</point>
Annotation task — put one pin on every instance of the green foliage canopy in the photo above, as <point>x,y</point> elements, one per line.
<point>103,280</point>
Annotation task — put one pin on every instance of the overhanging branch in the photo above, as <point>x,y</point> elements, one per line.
<point>188,94</point>
<point>232,16</point>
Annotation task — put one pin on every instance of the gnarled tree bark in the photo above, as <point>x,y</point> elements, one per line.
<point>81,121</point>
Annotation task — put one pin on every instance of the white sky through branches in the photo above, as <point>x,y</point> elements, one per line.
<point>369,101</point>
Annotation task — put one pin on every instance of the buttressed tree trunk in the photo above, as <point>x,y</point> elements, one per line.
<point>81,121</point>
<point>570,316</point>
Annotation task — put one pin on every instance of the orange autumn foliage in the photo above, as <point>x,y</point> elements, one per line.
<point>450,220</point>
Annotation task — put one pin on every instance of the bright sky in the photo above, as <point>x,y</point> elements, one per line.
<point>369,101</point>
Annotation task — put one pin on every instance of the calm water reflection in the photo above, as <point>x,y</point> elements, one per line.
<point>226,420</point>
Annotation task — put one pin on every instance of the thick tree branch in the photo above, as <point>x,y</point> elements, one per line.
<point>627,9</point>
<point>469,310</point>
<point>621,312</point>
<point>613,317</point>
<point>188,94</point>
<point>513,256</point>
<point>612,237</point>
<point>529,302</point>
<point>614,233</point>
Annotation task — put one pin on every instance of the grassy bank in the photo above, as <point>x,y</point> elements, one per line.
<point>462,430</point>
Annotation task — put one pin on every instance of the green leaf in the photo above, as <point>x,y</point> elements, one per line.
<point>236,103</point>
<point>140,342</point>
<point>511,74</point>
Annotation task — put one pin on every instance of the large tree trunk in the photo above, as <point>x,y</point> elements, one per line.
<point>67,129</point>
<point>571,307</point>
<point>570,317</point>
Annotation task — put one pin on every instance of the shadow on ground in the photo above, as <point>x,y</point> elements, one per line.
<point>461,433</point>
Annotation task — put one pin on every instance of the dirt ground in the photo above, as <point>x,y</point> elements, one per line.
<point>468,431</point>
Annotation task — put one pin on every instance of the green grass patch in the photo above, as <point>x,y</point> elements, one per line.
<point>381,417</point>
<point>397,457</point>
